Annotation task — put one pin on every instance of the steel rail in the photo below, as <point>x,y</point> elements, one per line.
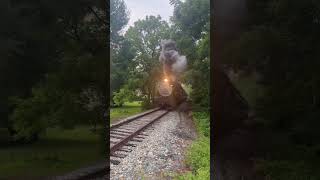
<point>131,118</point>
<point>122,142</point>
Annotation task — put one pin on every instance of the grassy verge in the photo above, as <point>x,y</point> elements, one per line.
<point>58,152</point>
<point>198,155</point>
<point>128,109</point>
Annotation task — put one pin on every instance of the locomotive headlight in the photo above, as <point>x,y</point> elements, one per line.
<point>165,80</point>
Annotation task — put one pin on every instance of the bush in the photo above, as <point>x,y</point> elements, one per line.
<point>28,117</point>
<point>122,96</point>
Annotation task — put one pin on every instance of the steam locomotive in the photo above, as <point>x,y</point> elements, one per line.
<point>170,94</point>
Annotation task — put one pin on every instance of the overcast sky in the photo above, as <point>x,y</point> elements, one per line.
<point>140,8</point>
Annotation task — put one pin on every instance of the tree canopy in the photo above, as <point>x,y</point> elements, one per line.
<point>136,66</point>
<point>57,54</point>
<point>280,49</point>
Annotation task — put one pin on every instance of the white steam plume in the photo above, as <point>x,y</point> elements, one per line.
<point>170,57</point>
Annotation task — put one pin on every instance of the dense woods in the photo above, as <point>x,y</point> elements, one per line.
<point>135,67</point>
<point>54,79</point>
<point>53,65</point>
<point>278,56</point>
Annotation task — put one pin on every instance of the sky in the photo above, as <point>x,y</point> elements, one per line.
<point>140,8</point>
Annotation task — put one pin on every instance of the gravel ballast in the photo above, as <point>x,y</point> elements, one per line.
<point>160,154</point>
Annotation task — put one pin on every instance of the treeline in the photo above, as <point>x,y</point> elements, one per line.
<point>135,68</point>
<point>54,60</point>
<point>280,48</point>
<point>53,65</point>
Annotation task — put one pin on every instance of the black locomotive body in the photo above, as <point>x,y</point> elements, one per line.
<point>170,95</point>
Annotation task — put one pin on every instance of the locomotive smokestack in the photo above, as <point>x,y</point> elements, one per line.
<point>173,62</point>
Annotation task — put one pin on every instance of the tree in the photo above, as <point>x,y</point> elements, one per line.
<point>191,32</point>
<point>145,37</point>
<point>281,45</point>
<point>120,48</point>
<point>119,17</point>
<point>192,16</point>
<point>77,35</point>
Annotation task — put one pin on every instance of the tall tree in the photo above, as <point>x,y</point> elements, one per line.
<point>76,82</point>
<point>191,20</point>
<point>145,37</point>
<point>120,48</point>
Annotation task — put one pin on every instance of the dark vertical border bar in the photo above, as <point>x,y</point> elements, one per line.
<point>227,22</point>
<point>107,95</point>
<point>212,22</point>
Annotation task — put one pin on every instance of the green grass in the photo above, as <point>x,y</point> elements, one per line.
<point>58,152</point>
<point>128,109</point>
<point>198,155</point>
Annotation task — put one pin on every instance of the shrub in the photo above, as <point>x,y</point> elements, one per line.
<point>122,96</point>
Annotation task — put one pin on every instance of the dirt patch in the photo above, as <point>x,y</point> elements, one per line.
<point>185,129</point>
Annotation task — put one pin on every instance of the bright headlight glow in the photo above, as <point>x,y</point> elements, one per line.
<point>165,80</point>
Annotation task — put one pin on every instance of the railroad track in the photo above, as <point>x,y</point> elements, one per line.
<point>125,135</point>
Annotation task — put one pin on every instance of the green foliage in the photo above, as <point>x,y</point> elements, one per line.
<point>122,96</point>
<point>44,109</point>
<point>202,174</point>
<point>198,154</point>
<point>192,16</point>
<point>120,62</point>
<point>191,31</point>
<point>135,62</point>
<point>119,17</point>
<point>120,48</point>
<point>282,45</point>
<point>289,37</point>
<point>200,93</point>
<point>145,68</point>
<point>28,118</point>
<point>57,46</point>
<point>201,70</point>
<point>202,122</point>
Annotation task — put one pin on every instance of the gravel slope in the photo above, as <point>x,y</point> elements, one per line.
<point>161,153</point>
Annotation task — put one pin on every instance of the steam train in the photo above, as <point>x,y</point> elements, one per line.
<point>170,94</point>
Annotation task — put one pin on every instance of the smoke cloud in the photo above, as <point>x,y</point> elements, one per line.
<point>172,61</point>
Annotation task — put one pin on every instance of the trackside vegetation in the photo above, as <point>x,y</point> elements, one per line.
<point>198,154</point>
